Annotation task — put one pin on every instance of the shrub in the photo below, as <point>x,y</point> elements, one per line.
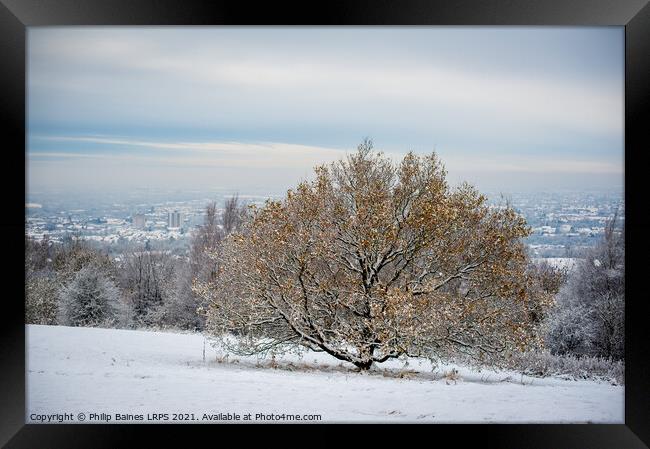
<point>90,299</point>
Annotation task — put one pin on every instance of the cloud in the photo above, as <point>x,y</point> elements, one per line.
<point>242,102</point>
<point>277,82</point>
<point>532,165</point>
<point>279,154</point>
<point>228,154</point>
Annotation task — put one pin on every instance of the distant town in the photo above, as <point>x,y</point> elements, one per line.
<point>562,223</point>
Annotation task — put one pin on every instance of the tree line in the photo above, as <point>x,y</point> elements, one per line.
<point>74,283</point>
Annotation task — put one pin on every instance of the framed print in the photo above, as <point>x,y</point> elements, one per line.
<point>366,213</point>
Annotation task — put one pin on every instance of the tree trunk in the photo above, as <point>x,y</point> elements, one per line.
<point>363,366</point>
<point>366,358</point>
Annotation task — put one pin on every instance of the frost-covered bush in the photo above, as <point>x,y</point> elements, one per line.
<point>90,299</point>
<point>146,278</point>
<point>569,332</point>
<point>51,270</point>
<point>589,317</point>
<point>544,363</point>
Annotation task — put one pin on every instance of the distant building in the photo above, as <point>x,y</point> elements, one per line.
<point>174,219</point>
<point>138,221</point>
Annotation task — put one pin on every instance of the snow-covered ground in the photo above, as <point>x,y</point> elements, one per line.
<point>101,373</point>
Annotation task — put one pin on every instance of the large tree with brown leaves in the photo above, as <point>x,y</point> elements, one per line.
<point>373,260</point>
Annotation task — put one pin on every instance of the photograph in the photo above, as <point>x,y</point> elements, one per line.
<point>325,224</point>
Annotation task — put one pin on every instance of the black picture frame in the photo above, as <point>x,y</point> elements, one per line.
<point>16,15</point>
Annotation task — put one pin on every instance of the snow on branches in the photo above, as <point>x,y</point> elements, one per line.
<point>374,260</point>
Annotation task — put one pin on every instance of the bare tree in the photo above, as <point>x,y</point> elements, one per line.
<point>208,235</point>
<point>183,308</point>
<point>374,260</point>
<point>180,308</point>
<point>147,278</point>
<point>234,213</point>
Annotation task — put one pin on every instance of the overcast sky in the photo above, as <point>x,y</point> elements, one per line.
<point>255,108</point>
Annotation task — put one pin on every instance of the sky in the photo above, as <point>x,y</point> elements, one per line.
<point>254,109</point>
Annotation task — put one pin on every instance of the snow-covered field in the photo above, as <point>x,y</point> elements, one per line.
<point>101,373</point>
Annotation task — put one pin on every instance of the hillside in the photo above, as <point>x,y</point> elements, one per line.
<point>139,373</point>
